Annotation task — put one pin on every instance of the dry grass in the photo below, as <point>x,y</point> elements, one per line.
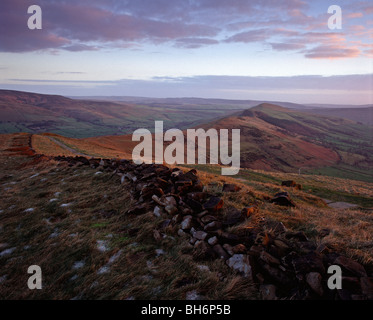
<point>65,241</point>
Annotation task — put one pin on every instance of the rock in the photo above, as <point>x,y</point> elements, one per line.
<point>220,252</point>
<point>239,248</point>
<point>130,176</point>
<point>158,200</point>
<point>289,183</point>
<point>208,218</point>
<point>249,211</point>
<point>212,241</point>
<point>159,252</point>
<point>203,268</point>
<point>282,199</point>
<point>314,280</point>
<point>213,204</point>
<point>282,247</point>
<point>350,265</point>
<point>170,201</point>
<point>171,209</point>
<point>229,238</point>
<point>186,224</point>
<point>181,233</point>
<point>194,205</point>
<point>277,275</point>
<point>268,292</point>
<point>367,287</point>
<point>230,187</point>
<point>200,235</point>
<point>307,263</point>
<point>215,225</point>
<point>267,258</point>
<point>240,263</point>
<point>233,217</point>
<point>193,295</point>
<point>176,219</point>
<point>228,248</point>
<point>157,211</point>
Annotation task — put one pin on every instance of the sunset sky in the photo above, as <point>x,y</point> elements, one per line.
<point>236,49</point>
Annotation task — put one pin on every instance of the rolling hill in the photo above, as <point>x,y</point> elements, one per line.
<point>279,139</point>
<point>363,115</point>
<point>273,138</point>
<point>82,118</point>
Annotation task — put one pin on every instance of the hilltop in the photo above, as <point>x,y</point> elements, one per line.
<point>275,138</point>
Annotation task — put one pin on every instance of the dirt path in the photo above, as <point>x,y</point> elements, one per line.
<point>61,144</point>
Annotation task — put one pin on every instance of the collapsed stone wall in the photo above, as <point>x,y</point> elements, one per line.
<point>283,264</point>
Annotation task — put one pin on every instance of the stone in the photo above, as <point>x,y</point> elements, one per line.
<point>314,280</point>
<point>267,258</point>
<point>277,275</point>
<point>350,265</point>
<point>283,199</point>
<point>307,263</point>
<point>208,218</point>
<point>171,209</point>
<point>200,235</point>
<point>181,233</point>
<point>194,205</point>
<point>215,225</point>
<point>239,248</point>
<point>220,252</point>
<point>157,211</point>
<point>228,248</point>
<point>289,183</point>
<point>268,292</point>
<point>229,238</point>
<point>240,263</point>
<point>230,187</point>
<point>213,241</point>
<point>186,224</point>
<point>233,217</point>
<point>213,204</point>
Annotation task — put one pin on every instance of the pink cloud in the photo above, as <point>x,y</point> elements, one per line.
<point>355,15</point>
<point>332,52</point>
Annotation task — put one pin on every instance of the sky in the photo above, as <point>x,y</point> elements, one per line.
<point>238,49</point>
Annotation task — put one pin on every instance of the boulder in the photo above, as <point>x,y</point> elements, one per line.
<point>230,187</point>
<point>282,199</point>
